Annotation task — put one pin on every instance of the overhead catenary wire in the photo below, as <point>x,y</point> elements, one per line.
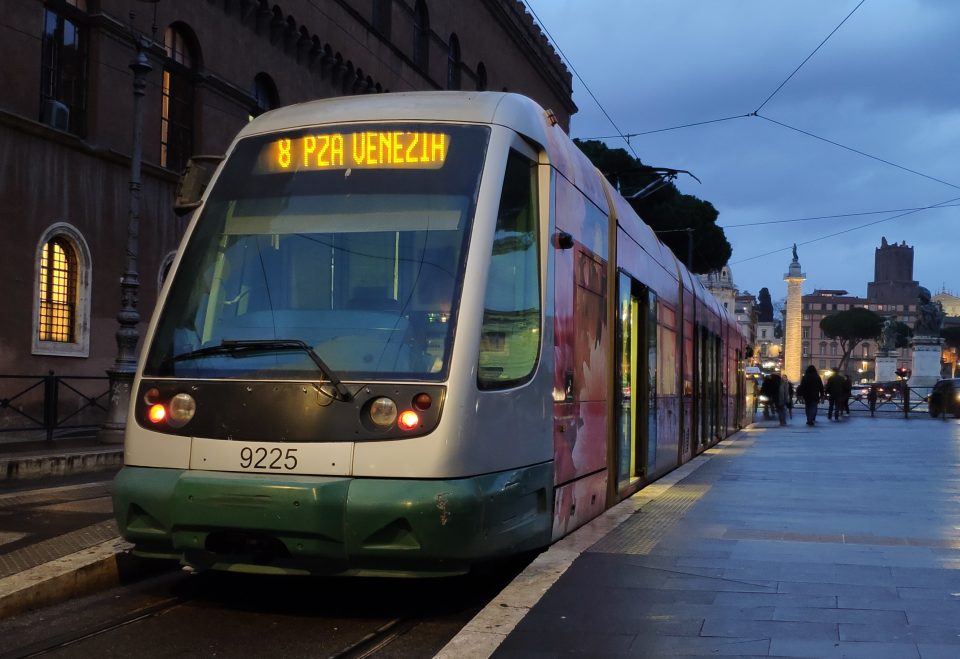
<point>582,82</point>
<point>743,225</point>
<point>783,84</point>
<point>756,113</point>
<point>857,151</point>
<point>942,204</point>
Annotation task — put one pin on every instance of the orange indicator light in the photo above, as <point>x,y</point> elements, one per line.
<point>157,413</point>
<point>408,420</point>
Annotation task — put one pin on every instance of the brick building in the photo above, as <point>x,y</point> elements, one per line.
<point>892,294</point>
<point>66,126</point>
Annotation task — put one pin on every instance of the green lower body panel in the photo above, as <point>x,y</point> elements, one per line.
<point>333,525</point>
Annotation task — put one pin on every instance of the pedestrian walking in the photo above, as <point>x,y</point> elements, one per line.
<point>834,390</point>
<point>810,390</point>
<point>783,399</point>
<point>872,398</point>
<point>790,396</point>
<point>847,394</point>
<point>768,394</point>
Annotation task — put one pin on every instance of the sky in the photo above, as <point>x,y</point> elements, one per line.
<point>886,84</point>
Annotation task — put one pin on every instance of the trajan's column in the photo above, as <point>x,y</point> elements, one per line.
<point>792,342</point>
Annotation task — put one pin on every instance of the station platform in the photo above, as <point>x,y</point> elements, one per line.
<point>837,540</point>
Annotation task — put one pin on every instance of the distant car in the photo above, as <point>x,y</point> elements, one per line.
<point>885,390</point>
<point>860,391</point>
<point>888,390</point>
<point>945,398</point>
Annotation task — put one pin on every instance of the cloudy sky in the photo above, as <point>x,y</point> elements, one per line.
<point>886,84</point>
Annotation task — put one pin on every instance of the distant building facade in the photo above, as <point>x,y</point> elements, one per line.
<point>720,283</point>
<point>949,302</point>
<point>66,127</point>
<point>892,294</point>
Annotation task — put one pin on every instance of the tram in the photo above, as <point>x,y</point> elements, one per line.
<point>406,334</point>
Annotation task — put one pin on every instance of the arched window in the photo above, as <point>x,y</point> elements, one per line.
<point>421,35</point>
<point>481,77</point>
<point>382,10</point>
<point>164,271</point>
<point>58,292</point>
<point>265,95</point>
<point>453,63</point>
<point>62,293</point>
<point>176,115</point>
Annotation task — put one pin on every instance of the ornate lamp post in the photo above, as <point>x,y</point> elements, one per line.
<point>125,365</point>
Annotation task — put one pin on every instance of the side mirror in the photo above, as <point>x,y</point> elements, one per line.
<point>193,182</point>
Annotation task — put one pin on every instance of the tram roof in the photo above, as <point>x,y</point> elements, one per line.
<point>513,110</point>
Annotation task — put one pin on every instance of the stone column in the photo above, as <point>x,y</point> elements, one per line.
<point>792,336</point>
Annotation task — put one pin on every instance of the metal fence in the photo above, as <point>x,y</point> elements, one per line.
<point>913,405</point>
<point>52,404</point>
<point>908,404</point>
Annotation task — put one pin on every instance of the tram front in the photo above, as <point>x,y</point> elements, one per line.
<point>313,308</point>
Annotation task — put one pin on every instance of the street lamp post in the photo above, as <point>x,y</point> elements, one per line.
<point>125,366</point>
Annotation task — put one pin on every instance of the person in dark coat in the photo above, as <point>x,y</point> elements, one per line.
<point>768,390</point>
<point>810,390</point>
<point>847,393</point>
<point>872,398</point>
<point>834,389</point>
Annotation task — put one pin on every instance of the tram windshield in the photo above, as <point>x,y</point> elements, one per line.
<point>351,241</point>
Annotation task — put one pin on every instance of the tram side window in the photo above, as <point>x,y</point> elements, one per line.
<point>510,336</point>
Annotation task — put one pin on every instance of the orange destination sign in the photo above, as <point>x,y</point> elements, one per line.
<point>363,150</point>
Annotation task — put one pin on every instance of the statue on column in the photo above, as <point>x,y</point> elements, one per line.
<point>929,315</point>
<point>888,335</point>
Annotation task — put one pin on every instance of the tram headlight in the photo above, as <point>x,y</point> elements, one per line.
<point>383,411</point>
<point>182,409</point>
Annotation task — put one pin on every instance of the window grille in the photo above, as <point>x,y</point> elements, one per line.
<point>58,292</point>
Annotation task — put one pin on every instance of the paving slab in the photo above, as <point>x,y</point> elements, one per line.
<point>838,540</point>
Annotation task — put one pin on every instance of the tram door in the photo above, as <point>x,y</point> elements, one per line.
<point>708,387</point>
<point>636,385</point>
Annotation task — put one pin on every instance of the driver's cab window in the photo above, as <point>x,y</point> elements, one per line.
<point>510,336</point>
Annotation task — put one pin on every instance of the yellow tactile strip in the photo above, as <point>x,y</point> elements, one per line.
<point>641,532</point>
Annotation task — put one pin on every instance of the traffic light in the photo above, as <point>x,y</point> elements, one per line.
<point>903,373</point>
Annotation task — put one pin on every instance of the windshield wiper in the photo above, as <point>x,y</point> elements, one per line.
<point>238,346</point>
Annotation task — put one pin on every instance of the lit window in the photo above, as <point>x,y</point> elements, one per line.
<point>58,290</point>
<point>176,112</point>
<point>61,316</point>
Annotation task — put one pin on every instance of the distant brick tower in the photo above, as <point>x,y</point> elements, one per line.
<point>893,281</point>
<point>792,344</point>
